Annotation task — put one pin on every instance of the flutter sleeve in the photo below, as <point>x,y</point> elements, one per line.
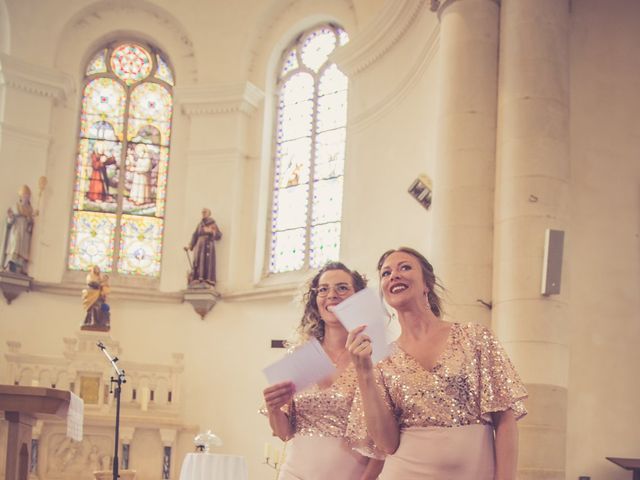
<point>356,433</point>
<point>500,385</point>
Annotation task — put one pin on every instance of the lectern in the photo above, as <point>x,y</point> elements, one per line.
<point>22,406</point>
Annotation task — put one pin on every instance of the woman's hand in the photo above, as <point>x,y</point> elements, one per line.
<point>359,347</point>
<point>278,395</point>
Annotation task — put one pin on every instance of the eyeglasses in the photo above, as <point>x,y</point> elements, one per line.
<point>342,289</point>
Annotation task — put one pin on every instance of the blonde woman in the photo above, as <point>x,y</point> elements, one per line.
<point>444,404</point>
<point>315,421</point>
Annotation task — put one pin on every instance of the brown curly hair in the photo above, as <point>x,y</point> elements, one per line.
<point>430,280</point>
<point>311,323</point>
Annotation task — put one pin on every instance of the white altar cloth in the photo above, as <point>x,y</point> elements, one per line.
<point>213,466</point>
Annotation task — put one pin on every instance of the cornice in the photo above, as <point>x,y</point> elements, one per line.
<point>378,37</point>
<point>214,99</point>
<point>156,296</point>
<point>35,79</point>
<point>117,293</point>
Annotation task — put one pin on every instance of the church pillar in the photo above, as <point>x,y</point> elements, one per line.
<point>462,238</point>
<point>219,122</point>
<point>532,175</point>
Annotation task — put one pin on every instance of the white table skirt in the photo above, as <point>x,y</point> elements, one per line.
<point>213,466</point>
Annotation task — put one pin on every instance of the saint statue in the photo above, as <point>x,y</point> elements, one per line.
<point>19,227</point>
<point>94,301</point>
<point>203,268</point>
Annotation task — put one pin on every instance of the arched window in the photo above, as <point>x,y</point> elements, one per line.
<point>309,155</point>
<point>123,155</point>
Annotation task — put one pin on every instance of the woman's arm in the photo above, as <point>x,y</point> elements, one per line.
<point>374,467</point>
<point>381,424</point>
<point>506,443</point>
<point>275,397</point>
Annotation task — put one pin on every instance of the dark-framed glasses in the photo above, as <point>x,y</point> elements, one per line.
<point>341,289</point>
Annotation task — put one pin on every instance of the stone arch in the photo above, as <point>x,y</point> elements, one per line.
<point>281,21</point>
<point>92,26</point>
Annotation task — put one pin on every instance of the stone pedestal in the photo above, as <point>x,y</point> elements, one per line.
<point>201,299</point>
<point>13,284</point>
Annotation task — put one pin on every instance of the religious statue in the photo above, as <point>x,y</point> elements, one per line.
<point>203,268</point>
<point>17,239</point>
<point>94,301</point>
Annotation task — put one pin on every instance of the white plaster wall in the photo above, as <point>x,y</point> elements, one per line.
<point>603,244</point>
<point>391,141</point>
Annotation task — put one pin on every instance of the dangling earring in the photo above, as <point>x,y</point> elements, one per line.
<point>426,296</point>
<point>432,301</point>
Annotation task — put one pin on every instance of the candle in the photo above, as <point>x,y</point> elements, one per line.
<point>267,447</point>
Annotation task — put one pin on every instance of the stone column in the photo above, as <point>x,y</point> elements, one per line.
<point>462,238</point>
<point>532,195</point>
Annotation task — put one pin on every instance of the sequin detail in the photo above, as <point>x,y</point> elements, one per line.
<point>472,378</point>
<point>324,411</point>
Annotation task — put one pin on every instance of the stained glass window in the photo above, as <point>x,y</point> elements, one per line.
<point>309,155</point>
<point>122,162</point>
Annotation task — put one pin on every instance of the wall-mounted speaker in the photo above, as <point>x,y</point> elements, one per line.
<point>552,263</point>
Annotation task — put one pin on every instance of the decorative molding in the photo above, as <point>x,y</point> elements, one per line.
<point>35,79</point>
<point>25,136</point>
<point>262,293</point>
<point>214,99</point>
<point>378,37</point>
<point>117,293</point>
<point>154,296</point>
<point>402,87</point>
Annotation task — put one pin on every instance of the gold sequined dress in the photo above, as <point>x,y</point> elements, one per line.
<point>318,450</point>
<point>444,413</point>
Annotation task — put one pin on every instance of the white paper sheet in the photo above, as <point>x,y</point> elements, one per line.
<point>305,366</point>
<point>365,308</point>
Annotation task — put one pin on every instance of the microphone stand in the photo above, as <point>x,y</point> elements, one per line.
<point>118,390</point>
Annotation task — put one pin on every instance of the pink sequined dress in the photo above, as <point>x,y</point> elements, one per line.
<point>318,450</point>
<point>444,413</point>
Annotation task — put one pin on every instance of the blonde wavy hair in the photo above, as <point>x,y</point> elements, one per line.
<point>311,323</point>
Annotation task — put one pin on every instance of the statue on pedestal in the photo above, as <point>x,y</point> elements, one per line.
<point>94,301</point>
<point>203,268</point>
<point>17,239</point>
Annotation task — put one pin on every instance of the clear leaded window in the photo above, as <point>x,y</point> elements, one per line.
<point>309,154</point>
<point>123,156</point>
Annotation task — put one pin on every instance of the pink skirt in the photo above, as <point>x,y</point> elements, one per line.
<point>321,458</point>
<point>440,453</point>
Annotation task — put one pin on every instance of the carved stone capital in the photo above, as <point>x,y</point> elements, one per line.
<point>214,99</point>
<point>34,79</point>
